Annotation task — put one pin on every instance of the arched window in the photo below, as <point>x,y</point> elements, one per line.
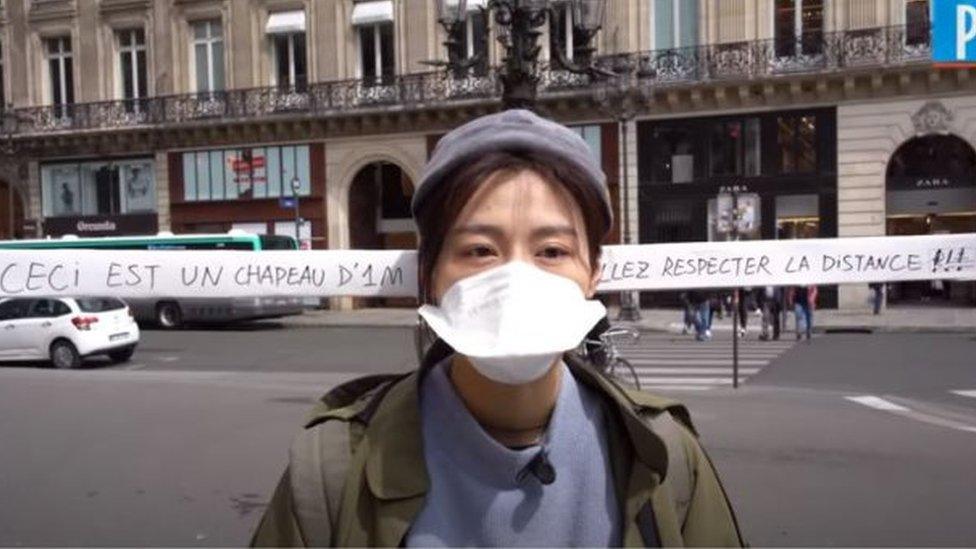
<point>942,156</point>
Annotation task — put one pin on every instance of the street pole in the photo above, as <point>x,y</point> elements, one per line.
<point>735,298</point>
<point>629,310</point>
<point>295,186</point>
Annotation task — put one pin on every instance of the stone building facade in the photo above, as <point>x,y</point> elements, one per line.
<point>128,116</point>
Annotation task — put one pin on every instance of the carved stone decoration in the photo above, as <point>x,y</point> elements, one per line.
<point>933,117</point>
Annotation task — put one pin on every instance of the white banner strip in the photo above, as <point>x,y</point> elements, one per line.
<point>392,273</point>
<point>788,262</point>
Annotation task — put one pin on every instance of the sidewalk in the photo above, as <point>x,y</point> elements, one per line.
<point>900,319</point>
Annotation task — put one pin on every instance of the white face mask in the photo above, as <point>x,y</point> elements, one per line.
<point>513,321</point>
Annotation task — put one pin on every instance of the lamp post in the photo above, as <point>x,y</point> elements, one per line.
<point>621,96</point>
<point>296,185</point>
<point>518,23</point>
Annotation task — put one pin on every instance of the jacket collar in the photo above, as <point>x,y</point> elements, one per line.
<point>648,447</point>
<point>395,466</point>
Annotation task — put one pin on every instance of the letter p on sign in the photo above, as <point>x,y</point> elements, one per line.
<point>965,29</point>
<point>953,31</point>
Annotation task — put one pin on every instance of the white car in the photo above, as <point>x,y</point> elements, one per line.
<point>66,329</point>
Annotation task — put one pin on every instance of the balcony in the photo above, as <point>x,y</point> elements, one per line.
<point>814,54</point>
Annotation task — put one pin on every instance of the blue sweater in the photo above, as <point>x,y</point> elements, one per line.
<point>479,492</point>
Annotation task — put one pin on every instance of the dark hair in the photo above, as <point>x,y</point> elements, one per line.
<point>443,205</point>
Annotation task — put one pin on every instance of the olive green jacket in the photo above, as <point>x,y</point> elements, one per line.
<point>371,445</point>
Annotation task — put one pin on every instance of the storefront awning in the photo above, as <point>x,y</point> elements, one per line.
<point>286,21</point>
<point>374,11</point>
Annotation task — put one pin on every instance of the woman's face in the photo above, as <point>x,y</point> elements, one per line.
<point>516,217</point>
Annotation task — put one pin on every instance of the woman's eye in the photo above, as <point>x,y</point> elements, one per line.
<point>553,252</point>
<point>479,251</point>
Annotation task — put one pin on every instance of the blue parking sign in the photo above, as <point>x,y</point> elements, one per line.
<point>954,31</point>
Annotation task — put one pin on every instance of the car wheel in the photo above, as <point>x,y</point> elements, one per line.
<point>64,355</point>
<point>169,315</point>
<point>122,355</point>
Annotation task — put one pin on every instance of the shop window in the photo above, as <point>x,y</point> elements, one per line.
<point>98,188</point>
<point>799,26</point>
<point>376,54</point>
<point>734,147</point>
<point>132,67</point>
<point>933,157</point>
<point>796,140</point>
<point>917,22</point>
<point>675,23</point>
<point>248,173</point>
<point>208,56</point>
<point>797,216</point>
<point>674,155</point>
<point>671,221</point>
<point>60,74</point>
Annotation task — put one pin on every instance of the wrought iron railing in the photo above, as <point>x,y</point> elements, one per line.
<point>746,61</point>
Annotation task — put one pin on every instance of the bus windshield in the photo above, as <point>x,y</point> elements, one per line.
<point>277,242</point>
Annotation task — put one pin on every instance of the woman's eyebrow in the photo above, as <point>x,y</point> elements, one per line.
<point>497,231</point>
<point>479,229</point>
<point>546,231</point>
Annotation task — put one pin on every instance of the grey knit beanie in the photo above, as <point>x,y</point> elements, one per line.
<point>510,130</point>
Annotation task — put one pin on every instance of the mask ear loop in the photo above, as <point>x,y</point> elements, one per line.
<point>423,338</point>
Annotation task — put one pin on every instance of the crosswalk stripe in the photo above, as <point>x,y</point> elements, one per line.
<point>702,362</point>
<point>966,393</point>
<point>877,403</point>
<point>670,362</point>
<point>698,352</point>
<point>692,349</point>
<point>692,352</point>
<point>694,371</point>
<point>675,387</point>
<point>694,356</point>
<point>685,380</point>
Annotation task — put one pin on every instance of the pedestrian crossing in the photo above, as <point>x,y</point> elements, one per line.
<point>670,362</point>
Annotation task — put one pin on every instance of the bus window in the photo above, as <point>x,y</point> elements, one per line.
<point>277,242</point>
<point>202,246</point>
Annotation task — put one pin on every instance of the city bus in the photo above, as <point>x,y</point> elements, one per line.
<point>169,312</point>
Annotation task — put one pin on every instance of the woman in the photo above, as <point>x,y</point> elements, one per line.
<point>504,436</point>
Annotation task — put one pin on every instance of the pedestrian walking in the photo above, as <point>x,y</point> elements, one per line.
<point>505,435</point>
<point>877,297</point>
<point>804,300</point>
<point>746,304</point>
<point>701,304</point>
<point>770,304</point>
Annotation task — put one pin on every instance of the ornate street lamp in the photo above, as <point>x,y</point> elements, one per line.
<point>518,23</point>
<point>622,96</point>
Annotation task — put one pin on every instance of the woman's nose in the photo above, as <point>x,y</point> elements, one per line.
<point>519,253</point>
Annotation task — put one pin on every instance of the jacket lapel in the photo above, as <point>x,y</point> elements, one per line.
<point>648,518</point>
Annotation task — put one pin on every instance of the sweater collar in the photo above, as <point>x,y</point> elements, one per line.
<point>395,464</point>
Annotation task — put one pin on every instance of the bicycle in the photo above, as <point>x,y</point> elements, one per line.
<point>605,354</point>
